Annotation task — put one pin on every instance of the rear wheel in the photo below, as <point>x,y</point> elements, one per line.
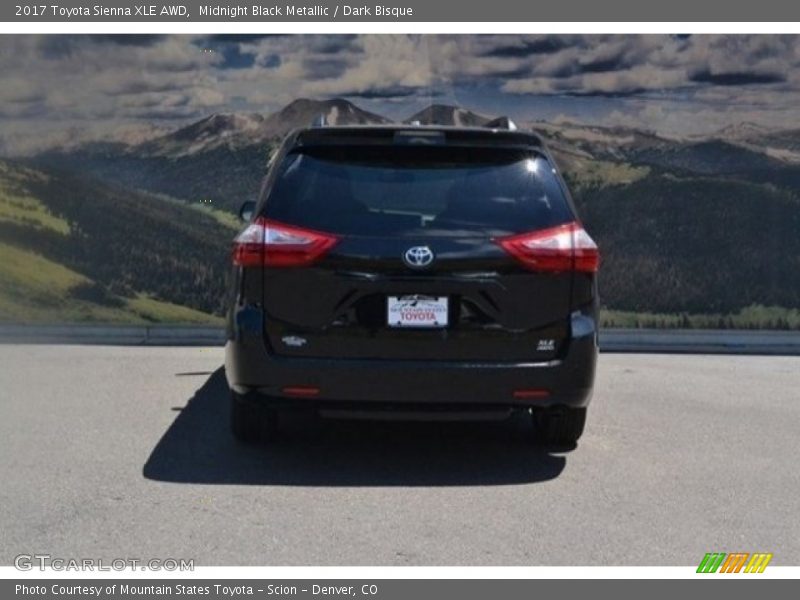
<point>559,426</point>
<point>251,422</point>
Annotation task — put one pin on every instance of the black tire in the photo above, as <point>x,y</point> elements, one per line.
<point>251,423</point>
<point>559,426</point>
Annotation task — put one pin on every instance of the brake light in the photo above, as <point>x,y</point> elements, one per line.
<point>300,391</point>
<point>563,248</point>
<point>531,393</point>
<point>270,244</point>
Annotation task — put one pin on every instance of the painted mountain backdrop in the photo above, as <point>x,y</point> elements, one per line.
<point>695,230</point>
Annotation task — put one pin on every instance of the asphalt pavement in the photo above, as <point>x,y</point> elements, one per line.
<point>124,452</point>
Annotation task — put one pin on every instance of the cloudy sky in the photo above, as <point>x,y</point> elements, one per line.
<point>106,85</point>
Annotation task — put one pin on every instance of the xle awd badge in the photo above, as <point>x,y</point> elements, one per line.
<point>418,257</point>
<point>294,341</point>
<point>546,346</point>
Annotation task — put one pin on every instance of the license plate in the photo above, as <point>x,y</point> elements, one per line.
<point>417,311</point>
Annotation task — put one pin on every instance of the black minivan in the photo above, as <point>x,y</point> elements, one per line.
<point>413,272</point>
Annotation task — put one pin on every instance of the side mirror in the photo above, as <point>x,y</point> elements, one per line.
<point>247,210</point>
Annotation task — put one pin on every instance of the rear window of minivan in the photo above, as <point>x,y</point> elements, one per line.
<point>417,191</point>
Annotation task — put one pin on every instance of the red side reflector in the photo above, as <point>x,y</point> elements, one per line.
<point>531,393</point>
<point>563,248</point>
<point>303,391</point>
<point>266,243</point>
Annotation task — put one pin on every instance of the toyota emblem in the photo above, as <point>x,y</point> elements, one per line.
<point>418,257</point>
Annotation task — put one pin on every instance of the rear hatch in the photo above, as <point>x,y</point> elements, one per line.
<point>408,257</point>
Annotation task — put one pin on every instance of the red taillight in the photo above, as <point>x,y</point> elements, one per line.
<point>270,244</point>
<point>531,393</point>
<point>564,248</point>
<point>300,391</point>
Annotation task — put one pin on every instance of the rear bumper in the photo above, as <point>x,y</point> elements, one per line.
<point>351,383</point>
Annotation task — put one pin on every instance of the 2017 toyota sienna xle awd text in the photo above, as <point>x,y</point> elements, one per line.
<point>413,272</point>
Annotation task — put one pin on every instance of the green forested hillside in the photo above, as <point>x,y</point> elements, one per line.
<point>222,176</point>
<point>699,245</point>
<point>72,249</point>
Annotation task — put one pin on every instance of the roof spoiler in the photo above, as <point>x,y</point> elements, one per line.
<point>501,123</point>
<point>476,137</point>
<point>321,120</point>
